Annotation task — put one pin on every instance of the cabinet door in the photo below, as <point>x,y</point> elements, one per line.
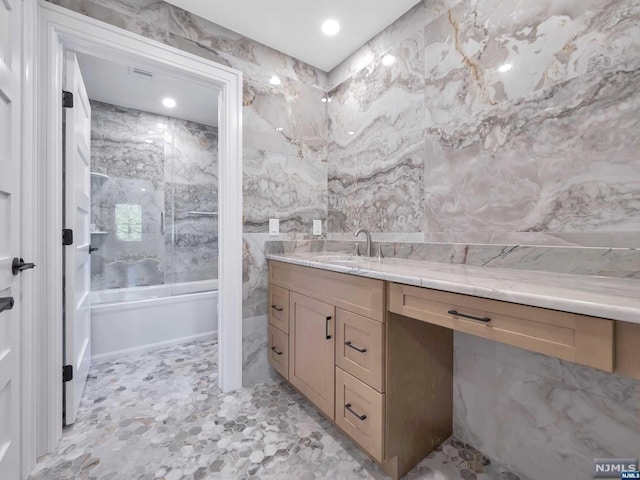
<point>311,350</point>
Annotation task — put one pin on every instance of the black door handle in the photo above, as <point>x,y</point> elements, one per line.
<point>18,266</point>
<point>326,329</point>
<point>458,314</point>
<point>276,351</point>
<point>93,249</point>
<point>6,303</point>
<point>351,345</point>
<point>277,308</point>
<point>360,417</point>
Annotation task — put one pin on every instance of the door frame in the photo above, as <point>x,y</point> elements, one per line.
<point>62,29</point>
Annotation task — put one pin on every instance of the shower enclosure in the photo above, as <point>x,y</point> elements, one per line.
<point>154,223</point>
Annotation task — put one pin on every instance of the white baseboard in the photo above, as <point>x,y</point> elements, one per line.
<point>152,346</point>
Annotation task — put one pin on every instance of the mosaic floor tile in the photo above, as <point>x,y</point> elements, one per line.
<point>159,415</point>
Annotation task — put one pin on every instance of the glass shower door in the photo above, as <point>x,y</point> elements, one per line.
<point>192,207</point>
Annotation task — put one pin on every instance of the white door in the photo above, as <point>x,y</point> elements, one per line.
<point>10,178</point>
<point>77,264</point>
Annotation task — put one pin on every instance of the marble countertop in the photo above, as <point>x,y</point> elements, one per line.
<point>613,298</point>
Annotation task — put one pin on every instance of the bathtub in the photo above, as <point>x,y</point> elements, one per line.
<point>129,320</point>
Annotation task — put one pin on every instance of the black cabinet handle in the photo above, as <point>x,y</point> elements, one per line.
<point>458,314</point>
<point>326,328</point>
<point>93,249</point>
<point>276,351</point>
<point>18,266</point>
<point>360,417</point>
<point>6,303</point>
<point>277,308</point>
<point>351,345</point>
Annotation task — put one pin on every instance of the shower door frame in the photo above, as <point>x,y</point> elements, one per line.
<point>60,30</point>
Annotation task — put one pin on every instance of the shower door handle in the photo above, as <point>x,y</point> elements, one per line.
<point>162,223</point>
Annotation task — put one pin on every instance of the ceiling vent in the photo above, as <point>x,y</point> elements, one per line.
<point>140,73</point>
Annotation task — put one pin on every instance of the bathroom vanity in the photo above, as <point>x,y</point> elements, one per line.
<point>370,343</point>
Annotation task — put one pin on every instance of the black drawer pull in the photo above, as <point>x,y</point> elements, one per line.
<point>326,328</point>
<point>276,351</point>
<point>351,345</point>
<point>277,308</point>
<point>458,314</point>
<point>360,417</point>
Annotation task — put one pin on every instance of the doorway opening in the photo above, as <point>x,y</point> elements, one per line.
<point>155,218</point>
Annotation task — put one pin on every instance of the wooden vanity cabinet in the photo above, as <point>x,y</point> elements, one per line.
<point>373,378</point>
<point>311,350</point>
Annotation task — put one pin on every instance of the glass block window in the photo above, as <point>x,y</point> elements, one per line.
<point>129,222</point>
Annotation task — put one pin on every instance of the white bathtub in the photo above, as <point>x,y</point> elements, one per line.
<point>137,319</point>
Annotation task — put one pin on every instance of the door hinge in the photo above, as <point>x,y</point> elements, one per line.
<point>67,99</point>
<point>67,236</point>
<point>67,373</point>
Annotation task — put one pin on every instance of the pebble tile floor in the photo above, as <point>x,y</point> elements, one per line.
<point>160,415</point>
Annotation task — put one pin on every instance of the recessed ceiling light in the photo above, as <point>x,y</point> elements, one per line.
<point>330,27</point>
<point>275,80</point>
<point>169,102</point>
<point>351,132</point>
<point>388,60</point>
<point>505,68</point>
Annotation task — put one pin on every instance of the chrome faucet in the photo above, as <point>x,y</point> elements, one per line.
<point>368,235</point>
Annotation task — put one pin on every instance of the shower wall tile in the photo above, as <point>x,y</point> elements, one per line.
<point>121,145</point>
<point>284,187</point>
<point>174,171</point>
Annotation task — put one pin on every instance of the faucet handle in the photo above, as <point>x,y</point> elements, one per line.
<point>356,250</point>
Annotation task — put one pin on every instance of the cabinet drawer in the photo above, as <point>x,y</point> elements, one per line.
<point>364,296</point>
<point>360,413</point>
<point>359,348</point>
<point>577,338</point>
<point>279,351</point>
<point>279,308</point>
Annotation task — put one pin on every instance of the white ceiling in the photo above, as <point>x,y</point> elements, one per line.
<point>293,26</point>
<point>113,83</point>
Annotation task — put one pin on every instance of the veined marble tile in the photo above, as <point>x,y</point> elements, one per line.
<point>234,45</point>
<point>289,118</point>
<point>563,159</point>
<point>376,150</point>
<point>255,275</point>
<point>191,153</point>
<point>370,53</point>
<point>545,43</point>
<point>278,186</point>
<point>119,146</point>
<point>155,16</point>
<point>551,417</point>
<point>255,363</point>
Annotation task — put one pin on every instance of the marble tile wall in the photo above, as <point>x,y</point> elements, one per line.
<point>607,262</point>
<point>543,153</point>
<point>284,131</point>
<point>160,164</point>
<point>542,417</point>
